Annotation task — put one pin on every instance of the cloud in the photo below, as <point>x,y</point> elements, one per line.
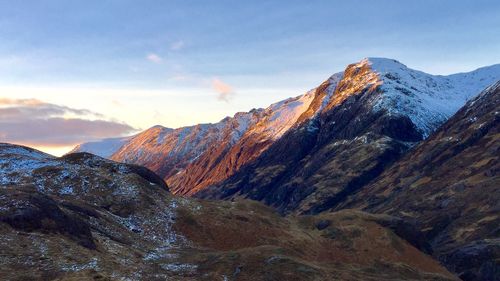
<point>225,91</point>
<point>13,108</point>
<point>154,58</point>
<point>177,45</point>
<point>36,123</point>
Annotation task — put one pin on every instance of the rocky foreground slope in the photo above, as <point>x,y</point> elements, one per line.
<point>80,217</point>
<point>450,186</point>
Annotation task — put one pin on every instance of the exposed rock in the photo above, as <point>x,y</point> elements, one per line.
<point>322,224</point>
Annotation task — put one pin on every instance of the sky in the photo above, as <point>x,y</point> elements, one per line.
<point>76,71</point>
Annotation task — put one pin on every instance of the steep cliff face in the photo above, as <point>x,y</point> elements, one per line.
<point>81,217</point>
<point>450,185</point>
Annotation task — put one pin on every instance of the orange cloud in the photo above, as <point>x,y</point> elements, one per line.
<point>225,91</point>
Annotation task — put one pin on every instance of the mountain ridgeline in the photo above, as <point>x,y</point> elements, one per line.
<point>380,100</point>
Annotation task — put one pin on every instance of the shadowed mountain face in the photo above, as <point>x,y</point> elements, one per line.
<point>81,217</point>
<point>450,185</point>
<point>380,100</point>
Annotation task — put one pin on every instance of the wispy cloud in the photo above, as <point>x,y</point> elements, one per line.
<point>224,90</point>
<point>177,45</point>
<point>154,58</point>
<point>37,123</point>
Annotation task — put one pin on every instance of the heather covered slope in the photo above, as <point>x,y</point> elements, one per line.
<point>450,185</point>
<point>81,217</point>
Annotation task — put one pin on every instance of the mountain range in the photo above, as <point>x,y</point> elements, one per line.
<point>381,172</point>
<point>376,95</point>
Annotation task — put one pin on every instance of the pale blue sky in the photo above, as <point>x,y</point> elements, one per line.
<point>155,62</point>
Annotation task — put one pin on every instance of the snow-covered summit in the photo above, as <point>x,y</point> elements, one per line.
<point>428,100</point>
<point>382,64</point>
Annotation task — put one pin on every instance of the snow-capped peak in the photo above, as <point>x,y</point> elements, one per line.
<point>428,100</point>
<point>382,65</point>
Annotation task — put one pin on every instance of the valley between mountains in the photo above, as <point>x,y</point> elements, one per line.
<point>381,172</point>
